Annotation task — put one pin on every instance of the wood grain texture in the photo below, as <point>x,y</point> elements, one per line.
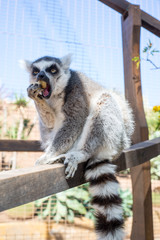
<point>142,228</point>
<point>135,155</point>
<point>138,154</point>
<point>21,186</point>
<point>20,146</point>
<point>150,23</point>
<point>147,21</point>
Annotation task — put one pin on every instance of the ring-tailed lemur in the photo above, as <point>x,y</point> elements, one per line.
<point>81,121</point>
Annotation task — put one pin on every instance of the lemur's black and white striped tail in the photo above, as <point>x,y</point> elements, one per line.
<point>104,189</point>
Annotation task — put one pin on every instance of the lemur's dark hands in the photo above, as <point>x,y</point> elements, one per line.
<point>35,91</point>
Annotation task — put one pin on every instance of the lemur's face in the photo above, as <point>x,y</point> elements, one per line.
<point>55,72</point>
<point>48,70</point>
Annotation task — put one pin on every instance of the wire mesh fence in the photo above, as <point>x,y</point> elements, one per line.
<point>92,32</point>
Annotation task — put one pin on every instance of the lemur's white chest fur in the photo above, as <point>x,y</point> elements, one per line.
<point>56,103</point>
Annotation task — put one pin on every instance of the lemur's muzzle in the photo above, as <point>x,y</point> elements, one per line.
<point>43,80</point>
<point>42,77</point>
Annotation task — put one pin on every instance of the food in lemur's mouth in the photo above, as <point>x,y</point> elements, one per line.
<point>43,84</point>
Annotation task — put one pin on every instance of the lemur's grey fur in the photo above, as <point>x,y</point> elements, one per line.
<point>81,121</point>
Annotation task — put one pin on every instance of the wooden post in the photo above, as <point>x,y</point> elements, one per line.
<point>142,228</point>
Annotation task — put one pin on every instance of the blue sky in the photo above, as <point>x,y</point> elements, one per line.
<point>87,28</point>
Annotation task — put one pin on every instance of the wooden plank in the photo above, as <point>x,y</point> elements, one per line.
<point>117,5</point>
<point>20,146</point>
<point>147,21</point>
<point>21,186</point>
<point>142,228</point>
<point>144,151</point>
<point>150,23</point>
<point>138,154</point>
<point>135,155</point>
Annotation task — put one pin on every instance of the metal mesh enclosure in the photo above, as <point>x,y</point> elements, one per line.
<point>92,32</point>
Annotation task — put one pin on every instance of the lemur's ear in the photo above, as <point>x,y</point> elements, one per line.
<point>25,64</point>
<point>66,61</point>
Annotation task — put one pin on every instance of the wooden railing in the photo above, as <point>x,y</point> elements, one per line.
<point>148,22</point>
<point>21,186</point>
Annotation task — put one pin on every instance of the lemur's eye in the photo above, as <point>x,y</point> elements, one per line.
<point>53,70</point>
<point>35,71</point>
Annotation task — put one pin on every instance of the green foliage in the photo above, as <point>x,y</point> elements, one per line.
<point>127,202</point>
<point>155,168</point>
<point>124,172</point>
<point>20,101</point>
<point>156,199</point>
<point>66,205</point>
<point>75,202</point>
<point>22,128</point>
<point>12,132</point>
<point>156,109</point>
<point>149,49</point>
<point>152,116</point>
<point>27,128</point>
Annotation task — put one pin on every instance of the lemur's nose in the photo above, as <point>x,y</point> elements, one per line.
<point>41,75</point>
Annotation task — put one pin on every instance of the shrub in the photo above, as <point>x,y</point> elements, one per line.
<point>127,202</point>
<point>66,205</point>
<point>75,202</point>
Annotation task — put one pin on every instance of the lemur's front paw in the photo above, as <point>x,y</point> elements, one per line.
<point>46,159</point>
<point>71,163</point>
<point>69,159</point>
<point>35,91</point>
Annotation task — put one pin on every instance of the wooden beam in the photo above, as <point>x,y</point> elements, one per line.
<point>21,186</point>
<point>147,21</point>
<point>131,157</point>
<point>138,154</point>
<point>142,228</point>
<point>20,146</point>
<point>118,5</point>
<point>150,23</point>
